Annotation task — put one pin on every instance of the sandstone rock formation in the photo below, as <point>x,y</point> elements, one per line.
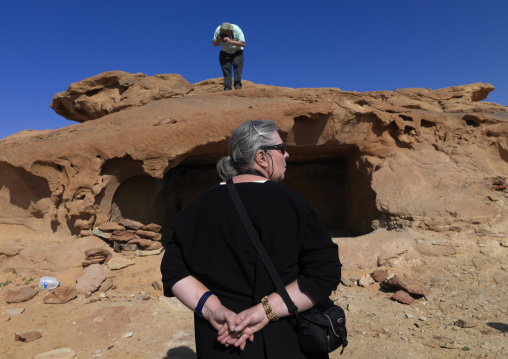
<point>147,146</point>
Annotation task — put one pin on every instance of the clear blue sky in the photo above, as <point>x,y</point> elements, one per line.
<point>353,45</point>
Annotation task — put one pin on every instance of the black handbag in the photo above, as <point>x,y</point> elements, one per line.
<point>320,329</point>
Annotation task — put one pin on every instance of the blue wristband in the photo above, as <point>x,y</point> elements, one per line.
<point>201,303</point>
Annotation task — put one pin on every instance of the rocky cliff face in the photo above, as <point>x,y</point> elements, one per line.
<point>147,146</point>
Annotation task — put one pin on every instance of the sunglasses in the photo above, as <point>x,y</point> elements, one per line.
<point>281,147</point>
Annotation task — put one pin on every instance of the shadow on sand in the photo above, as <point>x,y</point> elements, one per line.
<point>180,353</point>
<point>502,327</point>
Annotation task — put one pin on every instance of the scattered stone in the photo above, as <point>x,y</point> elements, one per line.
<point>94,299</point>
<point>129,247</point>
<point>106,285</point>
<point>127,335</point>
<point>121,236</point>
<point>155,246</point>
<point>156,285</point>
<point>150,235</point>
<point>141,242</point>
<point>152,227</point>
<point>90,278</point>
<point>150,252</point>
<point>403,297</point>
<point>27,336</point>
<point>409,316</point>
<point>14,311</point>
<point>61,295</point>
<point>63,353</point>
<point>21,295</point>
<point>429,297</point>
<point>504,244</point>
<point>407,285</point>
<point>129,223</point>
<point>465,324</point>
<point>422,319</point>
<point>101,234</point>
<point>365,281</point>
<point>86,232</point>
<point>379,275</point>
<point>347,282</point>
<point>96,255</point>
<point>451,345</point>
<point>119,263</point>
<point>110,227</point>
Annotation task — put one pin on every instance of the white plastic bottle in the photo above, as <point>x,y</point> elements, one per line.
<point>48,283</point>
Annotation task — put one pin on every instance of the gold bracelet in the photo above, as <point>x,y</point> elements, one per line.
<point>268,309</point>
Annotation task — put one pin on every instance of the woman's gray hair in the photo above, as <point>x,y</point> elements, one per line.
<point>245,141</point>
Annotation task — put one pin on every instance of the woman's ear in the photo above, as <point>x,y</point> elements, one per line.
<point>261,159</point>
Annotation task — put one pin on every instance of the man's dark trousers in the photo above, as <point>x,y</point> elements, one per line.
<point>231,60</point>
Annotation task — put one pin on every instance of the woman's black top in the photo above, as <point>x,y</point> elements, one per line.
<point>211,244</point>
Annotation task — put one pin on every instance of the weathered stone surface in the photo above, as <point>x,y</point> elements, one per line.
<point>21,295</point>
<point>465,323</point>
<point>90,278</point>
<point>151,252</point>
<point>62,353</point>
<point>150,235</point>
<point>379,275</point>
<point>121,236</point>
<point>129,223</point>
<point>365,281</point>
<point>141,242</point>
<point>106,285</point>
<point>114,91</point>
<point>97,255</point>
<point>403,297</point>
<point>27,336</point>
<point>110,227</point>
<point>422,158</point>
<point>61,295</point>
<point>105,235</point>
<point>152,227</point>
<point>407,285</point>
<point>119,263</point>
<point>154,246</point>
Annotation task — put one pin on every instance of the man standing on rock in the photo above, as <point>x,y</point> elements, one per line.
<point>232,41</point>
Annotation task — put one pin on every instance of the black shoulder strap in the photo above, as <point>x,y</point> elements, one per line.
<point>260,248</point>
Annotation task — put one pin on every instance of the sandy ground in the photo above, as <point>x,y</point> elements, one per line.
<point>471,286</point>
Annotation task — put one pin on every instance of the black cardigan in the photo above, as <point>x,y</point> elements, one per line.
<point>211,243</point>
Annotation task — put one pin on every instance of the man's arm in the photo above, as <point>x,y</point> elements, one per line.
<point>232,42</point>
<point>217,41</point>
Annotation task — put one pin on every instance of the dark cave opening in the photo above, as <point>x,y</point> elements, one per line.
<point>336,187</point>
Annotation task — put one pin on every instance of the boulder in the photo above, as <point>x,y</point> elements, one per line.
<point>27,336</point>
<point>152,227</point>
<point>21,295</point>
<point>110,227</point>
<point>148,234</point>
<point>61,295</point>
<point>90,278</point>
<point>129,223</point>
<point>403,297</point>
<point>407,285</point>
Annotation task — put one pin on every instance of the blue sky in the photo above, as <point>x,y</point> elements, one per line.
<point>354,45</point>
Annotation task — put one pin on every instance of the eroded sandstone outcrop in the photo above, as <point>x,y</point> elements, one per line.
<point>147,146</point>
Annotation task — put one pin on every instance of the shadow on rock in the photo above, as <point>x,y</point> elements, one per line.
<point>180,353</point>
<point>502,327</point>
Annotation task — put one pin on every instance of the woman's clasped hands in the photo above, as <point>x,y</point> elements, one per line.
<point>237,329</point>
